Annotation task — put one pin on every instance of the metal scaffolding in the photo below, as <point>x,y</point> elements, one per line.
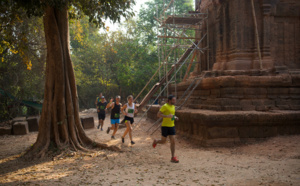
<point>176,43</point>
<point>175,33</point>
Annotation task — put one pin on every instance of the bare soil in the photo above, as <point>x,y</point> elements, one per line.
<point>274,161</point>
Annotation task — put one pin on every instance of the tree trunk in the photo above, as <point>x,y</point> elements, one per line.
<point>60,125</point>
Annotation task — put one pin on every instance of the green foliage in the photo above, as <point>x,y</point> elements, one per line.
<point>114,63</point>
<point>146,22</point>
<point>22,46</point>
<point>96,10</point>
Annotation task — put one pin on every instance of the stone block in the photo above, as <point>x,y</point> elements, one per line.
<point>18,119</point>
<point>20,128</point>
<point>229,102</point>
<point>215,93</point>
<point>222,132</point>
<point>262,108</point>
<point>294,107</point>
<point>247,105</point>
<point>232,92</point>
<point>288,130</point>
<point>231,108</point>
<point>263,102</point>
<point>33,124</point>
<point>294,93</point>
<point>87,122</point>
<point>210,107</point>
<point>209,83</point>
<point>278,91</point>
<point>257,131</point>
<point>227,81</point>
<point>255,92</point>
<point>5,131</point>
<point>295,79</point>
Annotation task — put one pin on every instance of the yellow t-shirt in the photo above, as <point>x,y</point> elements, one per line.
<point>167,109</point>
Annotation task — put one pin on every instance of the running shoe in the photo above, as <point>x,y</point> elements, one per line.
<point>98,126</point>
<point>101,129</point>
<point>154,144</point>
<point>108,129</point>
<point>174,160</point>
<point>132,142</point>
<point>112,137</point>
<point>123,140</point>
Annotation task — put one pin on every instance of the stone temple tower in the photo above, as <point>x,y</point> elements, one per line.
<point>243,95</point>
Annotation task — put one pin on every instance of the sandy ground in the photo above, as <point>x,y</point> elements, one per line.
<point>275,161</point>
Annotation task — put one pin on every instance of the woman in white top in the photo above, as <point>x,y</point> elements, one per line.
<point>129,110</point>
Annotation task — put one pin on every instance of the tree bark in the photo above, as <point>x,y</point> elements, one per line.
<point>60,125</point>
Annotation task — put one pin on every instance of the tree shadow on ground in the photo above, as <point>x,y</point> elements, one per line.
<point>17,161</point>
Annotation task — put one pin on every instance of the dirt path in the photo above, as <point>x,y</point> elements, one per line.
<point>275,161</point>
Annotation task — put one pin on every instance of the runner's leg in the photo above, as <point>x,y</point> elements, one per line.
<point>102,122</point>
<point>99,122</point>
<point>115,129</point>
<point>172,144</point>
<point>163,140</point>
<point>130,130</point>
<point>127,129</point>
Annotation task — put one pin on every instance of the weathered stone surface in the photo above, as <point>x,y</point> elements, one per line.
<point>255,92</point>
<point>235,49</point>
<point>257,132</point>
<point>295,79</point>
<point>18,119</point>
<point>87,122</point>
<point>5,131</point>
<point>232,92</point>
<point>222,132</point>
<point>213,126</point>
<point>33,124</point>
<point>20,128</point>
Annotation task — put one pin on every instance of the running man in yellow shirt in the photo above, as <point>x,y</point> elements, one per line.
<point>167,112</point>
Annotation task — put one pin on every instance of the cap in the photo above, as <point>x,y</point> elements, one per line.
<point>102,97</point>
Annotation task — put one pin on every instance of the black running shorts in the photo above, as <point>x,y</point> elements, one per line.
<point>166,131</point>
<point>101,116</point>
<point>129,119</point>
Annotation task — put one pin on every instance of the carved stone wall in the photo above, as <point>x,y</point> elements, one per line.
<point>232,40</point>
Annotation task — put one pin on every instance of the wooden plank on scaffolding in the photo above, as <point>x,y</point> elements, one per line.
<point>189,67</point>
<point>156,87</point>
<point>178,37</point>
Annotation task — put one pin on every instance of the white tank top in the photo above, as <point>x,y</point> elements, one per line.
<point>130,110</point>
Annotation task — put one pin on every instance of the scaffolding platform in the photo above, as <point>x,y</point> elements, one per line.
<point>183,20</point>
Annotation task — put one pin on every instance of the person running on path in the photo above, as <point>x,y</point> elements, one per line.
<point>129,110</point>
<point>98,99</point>
<point>101,109</point>
<point>115,115</point>
<point>167,112</point>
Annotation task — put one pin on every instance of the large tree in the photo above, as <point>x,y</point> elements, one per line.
<point>60,124</point>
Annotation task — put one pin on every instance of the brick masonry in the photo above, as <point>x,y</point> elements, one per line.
<point>219,128</point>
<point>244,92</point>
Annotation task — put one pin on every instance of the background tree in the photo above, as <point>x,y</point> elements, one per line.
<point>119,62</point>
<point>114,63</point>
<point>59,124</point>
<point>22,46</point>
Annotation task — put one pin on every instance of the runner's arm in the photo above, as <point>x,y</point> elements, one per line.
<point>161,115</point>
<point>122,110</point>
<point>110,104</point>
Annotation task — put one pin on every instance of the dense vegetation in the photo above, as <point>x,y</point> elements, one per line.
<point>114,63</point>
